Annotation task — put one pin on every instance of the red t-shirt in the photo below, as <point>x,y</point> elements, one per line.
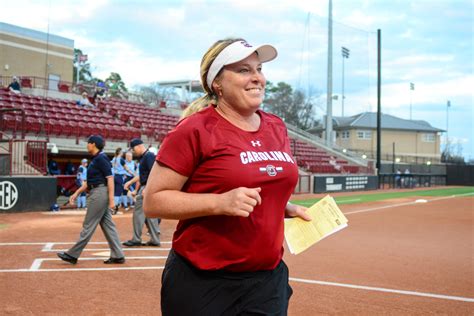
<point>217,157</point>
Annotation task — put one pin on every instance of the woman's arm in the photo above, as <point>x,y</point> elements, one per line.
<point>81,189</point>
<point>163,198</point>
<point>110,188</point>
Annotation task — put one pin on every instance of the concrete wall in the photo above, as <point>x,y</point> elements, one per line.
<point>407,143</point>
<point>23,56</point>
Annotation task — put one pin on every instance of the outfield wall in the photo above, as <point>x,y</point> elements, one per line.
<point>22,194</point>
<point>460,175</point>
<point>323,184</point>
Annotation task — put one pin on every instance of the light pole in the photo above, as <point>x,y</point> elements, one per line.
<point>448,105</point>
<point>345,54</point>
<point>329,82</point>
<point>412,88</point>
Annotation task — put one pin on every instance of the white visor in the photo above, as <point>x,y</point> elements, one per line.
<point>236,52</point>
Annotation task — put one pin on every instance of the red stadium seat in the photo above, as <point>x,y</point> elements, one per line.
<point>62,87</point>
<point>33,125</point>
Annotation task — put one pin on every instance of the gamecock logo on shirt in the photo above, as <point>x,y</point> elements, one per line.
<point>271,170</point>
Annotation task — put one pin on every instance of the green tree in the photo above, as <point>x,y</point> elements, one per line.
<point>453,154</point>
<point>293,106</point>
<point>85,75</point>
<point>117,88</point>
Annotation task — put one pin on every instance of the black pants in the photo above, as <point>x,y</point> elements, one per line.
<point>189,291</point>
<point>118,185</point>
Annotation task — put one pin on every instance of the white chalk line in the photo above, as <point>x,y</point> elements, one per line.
<point>83,269</point>
<point>386,290</point>
<point>351,200</point>
<point>406,203</point>
<point>37,262</point>
<point>124,249</point>
<point>48,247</point>
<point>44,243</point>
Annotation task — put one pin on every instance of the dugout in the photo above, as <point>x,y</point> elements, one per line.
<point>23,194</point>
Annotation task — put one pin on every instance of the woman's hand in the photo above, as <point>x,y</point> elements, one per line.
<point>72,198</point>
<point>126,186</point>
<point>294,210</point>
<point>238,202</point>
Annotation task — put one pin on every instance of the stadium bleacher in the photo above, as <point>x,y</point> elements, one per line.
<point>317,160</point>
<point>150,121</point>
<point>122,120</point>
<point>63,118</point>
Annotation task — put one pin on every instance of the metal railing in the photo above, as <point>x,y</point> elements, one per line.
<point>333,148</point>
<point>402,157</point>
<point>33,82</point>
<point>26,157</point>
<point>412,180</point>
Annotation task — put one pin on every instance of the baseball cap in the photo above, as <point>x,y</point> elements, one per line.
<point>236,52</point>
<point>135,142</point>
<point>97,140</point>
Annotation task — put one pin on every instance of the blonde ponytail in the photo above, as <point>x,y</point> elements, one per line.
<point>197,105</point>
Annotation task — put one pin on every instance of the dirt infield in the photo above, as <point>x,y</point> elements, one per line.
<point>396,257</point>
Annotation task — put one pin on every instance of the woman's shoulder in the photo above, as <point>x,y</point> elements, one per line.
<point>272,118</point>
<point>204,120</point>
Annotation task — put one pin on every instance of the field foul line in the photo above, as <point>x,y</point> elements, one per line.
<point>406,203</point>
<point>45,243</point>
<point>83,269</point>
<point>124,249</point>
<point>385,290</point>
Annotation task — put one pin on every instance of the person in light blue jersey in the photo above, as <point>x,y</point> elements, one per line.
<point>130,173</point>
<point>119,170</point>
<point>80,178</point>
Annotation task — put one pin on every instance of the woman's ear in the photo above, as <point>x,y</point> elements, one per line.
<point>217,88</point>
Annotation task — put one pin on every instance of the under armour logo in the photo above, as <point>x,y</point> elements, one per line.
<point>256,143</point>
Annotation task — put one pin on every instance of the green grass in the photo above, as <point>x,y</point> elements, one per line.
<point>3,226</point>
<point>371,197</point>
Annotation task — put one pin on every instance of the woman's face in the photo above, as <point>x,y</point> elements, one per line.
<point>242,85</point>
<point>90,147</point>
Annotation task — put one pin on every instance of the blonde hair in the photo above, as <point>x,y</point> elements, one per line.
<point>209,97</point>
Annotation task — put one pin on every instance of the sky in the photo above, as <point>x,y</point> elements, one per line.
<point>428,43</point>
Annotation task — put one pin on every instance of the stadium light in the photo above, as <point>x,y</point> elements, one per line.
<point>345,55</point>
<point>55,149</point>
<point>364,156</point>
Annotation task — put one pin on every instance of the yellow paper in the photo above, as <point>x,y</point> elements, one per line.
<point>327,219</point>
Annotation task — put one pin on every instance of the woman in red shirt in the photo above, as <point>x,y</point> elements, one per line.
<point>226,173</point>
